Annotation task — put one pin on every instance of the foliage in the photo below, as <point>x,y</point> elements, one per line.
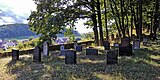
<point>69,34</point>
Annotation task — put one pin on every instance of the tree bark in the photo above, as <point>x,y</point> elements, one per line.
<point>100,23</point>
<point>94,20</point>
<point>140,20</point>
<point>122,13</point>
<point>155,21</point>
<point>119,31</point>
<point>105,13</point>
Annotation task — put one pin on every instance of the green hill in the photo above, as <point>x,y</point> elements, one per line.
<point>21,31</point>
<point>15,30</point>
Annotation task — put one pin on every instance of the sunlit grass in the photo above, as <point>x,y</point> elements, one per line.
<point>143,65</point>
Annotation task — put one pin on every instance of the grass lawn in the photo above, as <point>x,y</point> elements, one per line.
<point>143,65</point>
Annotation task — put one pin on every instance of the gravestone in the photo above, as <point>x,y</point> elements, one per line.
<point>45,49</point>
<point>106,45</point>
<point>37,54</point>
<point>62,50</point>
<point>125,48</point>
<point>112,57</point>
<point>78,48</point>
<point>136,44</point>
<point>125,42</point>
<point>15,55</point>
<point>91,51</point>
<point>75,44</point>
<point>70,57</point>
<point>144,41</point>
<point>116,47</point>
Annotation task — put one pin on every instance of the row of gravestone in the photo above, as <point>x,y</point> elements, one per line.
<point>123,49</point>
<point>70,55</point>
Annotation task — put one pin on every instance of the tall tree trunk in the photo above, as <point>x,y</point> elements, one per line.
<point>131,19</point>
<point>119,31</point>
<point>94,20</point>
<point>155,21</point>
<point>151,26</point>
<point>100,23</point>
<point>95,29</point>
<point>105,13</point>
<point>122,13</point>
<point>140,20</point>
<point>120,28</point>
<point>137,19</point>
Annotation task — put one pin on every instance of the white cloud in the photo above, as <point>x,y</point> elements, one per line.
<point>81,28</point>
<point>19,7</point>
<point>16,11</point>
<point>8,19</point>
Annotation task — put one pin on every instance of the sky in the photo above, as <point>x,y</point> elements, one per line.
<point>17,11</point>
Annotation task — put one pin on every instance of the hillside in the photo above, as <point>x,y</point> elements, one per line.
<point>21,30</point>
<point>15,30</point>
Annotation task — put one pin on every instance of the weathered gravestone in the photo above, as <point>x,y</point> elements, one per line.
<point>75,44</point>
<point>70,57</point>
<point>144,41</point>
<point>62,50</point>
<point>112,57</point>
<point>15,55</point>
<point>78,48</point>
<point>37,54</point>
<point>106,45</point>
<point>91,51</point>
<point>116,47</point>
<point>125,48</point>
<point>136,44</point>
<point>45,49</point>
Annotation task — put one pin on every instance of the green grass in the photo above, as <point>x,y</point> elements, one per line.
<point>143,65</point>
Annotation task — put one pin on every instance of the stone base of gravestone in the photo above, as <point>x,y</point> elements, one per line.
<point>106,45</point>
<point>78,48</point>
<point>91,51</point>
<point>70,57</point>
<point>37,54</point>
<point>15,55</point>
<point>112,57</point>
<point>125,50</point>
<point>136,44</point>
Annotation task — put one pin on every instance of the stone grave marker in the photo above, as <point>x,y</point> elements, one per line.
<point>78,48</point>
<point>136,44</point>
<point>106,45</point>
<point>45,49</point>
<point>70,57</point>
<point>62,50</point>
<point>91,51</point>
<point>15,54</point>
<point>112,57</point>
<point>125,48</point>
<point>75,44</point>
<point>144,41</point>
<point>37,54</point>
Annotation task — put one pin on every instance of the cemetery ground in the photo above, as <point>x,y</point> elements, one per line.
<point>143,65</point>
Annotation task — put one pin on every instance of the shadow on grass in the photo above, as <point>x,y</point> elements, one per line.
<point>138,67</point>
